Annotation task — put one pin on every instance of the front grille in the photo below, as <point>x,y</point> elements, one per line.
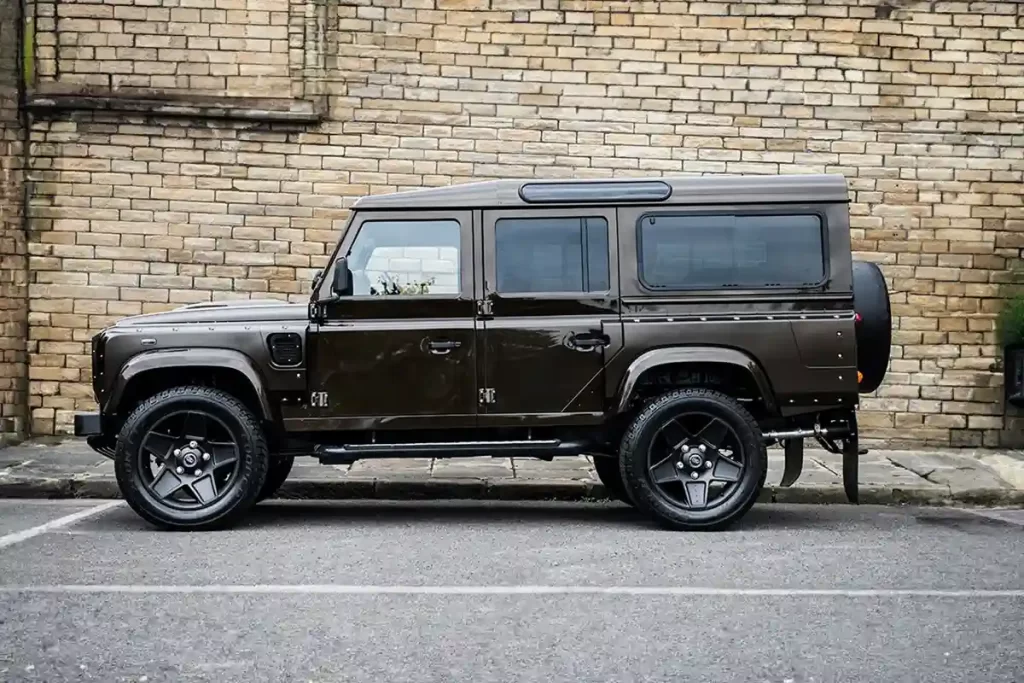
<point>285,348</point>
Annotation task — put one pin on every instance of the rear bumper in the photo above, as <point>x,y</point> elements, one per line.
<point>88,424</point>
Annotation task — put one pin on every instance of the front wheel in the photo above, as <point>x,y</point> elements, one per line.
<point>694,459</point>
<point>191,458</point>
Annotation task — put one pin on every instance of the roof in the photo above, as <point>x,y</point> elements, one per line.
<point>707,189</point>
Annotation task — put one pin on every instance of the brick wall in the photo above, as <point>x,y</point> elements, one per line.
<point>13,260</point>
<point>919,104</point>
<point>239,47</point>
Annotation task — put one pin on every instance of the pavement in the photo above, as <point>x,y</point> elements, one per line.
<point>68,468</point>
<point>317,591</point>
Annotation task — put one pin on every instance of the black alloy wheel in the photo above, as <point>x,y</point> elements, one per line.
<point>694,459</point>
<point>191,458</point>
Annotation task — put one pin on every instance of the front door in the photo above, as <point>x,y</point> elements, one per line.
<point>551,287</point>
<point>401,350</point>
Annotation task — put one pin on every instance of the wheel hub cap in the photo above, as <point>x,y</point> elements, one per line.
<point>695,459</point>
<point>189,458</point>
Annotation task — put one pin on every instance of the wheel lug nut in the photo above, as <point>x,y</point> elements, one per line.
<point>702,448</point>
<point>707,465</point>
<point>206,456</point>
<point>177,451</point>
<point>197,472</point>
<point>180,470</point>
<point>680,465</point>
<point>193,444</point>
<point>693,475</point>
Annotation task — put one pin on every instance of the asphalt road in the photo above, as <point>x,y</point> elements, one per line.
<point>518,592</point>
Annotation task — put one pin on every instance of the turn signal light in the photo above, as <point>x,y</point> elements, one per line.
<point>860,377</point>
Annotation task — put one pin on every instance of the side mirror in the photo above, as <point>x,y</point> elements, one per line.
<point>342,283</point>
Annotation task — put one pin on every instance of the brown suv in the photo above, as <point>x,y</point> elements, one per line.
<point>673,328</point>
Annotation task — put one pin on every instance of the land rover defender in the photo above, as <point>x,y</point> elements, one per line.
<point>672,328</point>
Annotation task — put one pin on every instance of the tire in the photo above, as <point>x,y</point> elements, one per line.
<point>234,442</point>
<point>277,473</point>
<point>610,474</point>
<point>738,496</point>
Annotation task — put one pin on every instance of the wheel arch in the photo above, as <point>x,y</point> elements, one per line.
<point>655,359</point>
<point>150,372</point>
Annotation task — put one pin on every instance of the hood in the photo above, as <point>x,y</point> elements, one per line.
<point>246,310</point>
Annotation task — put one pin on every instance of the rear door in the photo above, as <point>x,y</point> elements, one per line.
<point>549,316</point>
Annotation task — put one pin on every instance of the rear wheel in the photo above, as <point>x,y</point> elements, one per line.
<point>191,458</point>
<point>694,459</point>
<point>610,474</point>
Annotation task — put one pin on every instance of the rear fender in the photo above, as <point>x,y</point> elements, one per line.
<point>693,354</point>
<point>191,359</point>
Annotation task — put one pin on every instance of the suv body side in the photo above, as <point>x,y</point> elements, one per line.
<point>508,356</point>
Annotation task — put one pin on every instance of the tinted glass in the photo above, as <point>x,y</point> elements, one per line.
<point>682,252</point>
<point>406,257</point>
<point>551,255</point>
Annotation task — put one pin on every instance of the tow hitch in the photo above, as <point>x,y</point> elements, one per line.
<point>835,438</point>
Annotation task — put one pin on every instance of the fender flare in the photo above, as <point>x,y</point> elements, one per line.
<point>693,354</point>
<point>189,358</point>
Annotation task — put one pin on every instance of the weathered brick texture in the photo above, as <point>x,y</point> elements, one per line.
<point>13,258</point>
<point>232,47</point>
<point>919,104</point>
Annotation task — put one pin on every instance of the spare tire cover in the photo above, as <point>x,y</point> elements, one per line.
<point>874,327</point>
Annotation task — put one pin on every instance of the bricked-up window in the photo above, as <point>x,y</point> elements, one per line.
<point>715,251</point>
<point>414,257</point>
<point>551,255</point>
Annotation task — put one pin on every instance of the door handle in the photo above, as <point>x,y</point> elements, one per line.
<point>441,348</point>
<point>589,340</point>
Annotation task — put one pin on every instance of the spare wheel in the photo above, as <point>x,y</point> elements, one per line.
<point>874,324</point>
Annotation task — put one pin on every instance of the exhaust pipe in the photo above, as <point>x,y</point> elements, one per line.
<point>785,434</point>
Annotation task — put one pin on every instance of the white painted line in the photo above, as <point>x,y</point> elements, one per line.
<point>658,591</point>
<point>66,520</point>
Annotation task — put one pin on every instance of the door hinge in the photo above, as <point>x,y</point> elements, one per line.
<point>487,395</point>
<point>484,308</point>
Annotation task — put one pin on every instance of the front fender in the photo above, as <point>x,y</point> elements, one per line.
<point>693,354</point>
<point>188,358</point>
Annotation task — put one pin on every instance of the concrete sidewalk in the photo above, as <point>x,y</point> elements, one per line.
<point>53,468</point>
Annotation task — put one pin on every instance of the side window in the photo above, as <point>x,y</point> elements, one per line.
<point>686,252</point>
<point>551,255</point>
<point>411,257</point>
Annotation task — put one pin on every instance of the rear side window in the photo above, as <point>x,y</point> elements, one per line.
<point>722,250</point>
<point>551,255</point>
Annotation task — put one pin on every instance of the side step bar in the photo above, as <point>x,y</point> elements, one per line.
<point>543,448</point>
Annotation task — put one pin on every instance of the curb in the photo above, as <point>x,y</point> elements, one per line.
<point>522,490</point>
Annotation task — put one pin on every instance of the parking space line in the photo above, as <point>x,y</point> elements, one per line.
<point>66,520</point>
<point>657,591</point>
